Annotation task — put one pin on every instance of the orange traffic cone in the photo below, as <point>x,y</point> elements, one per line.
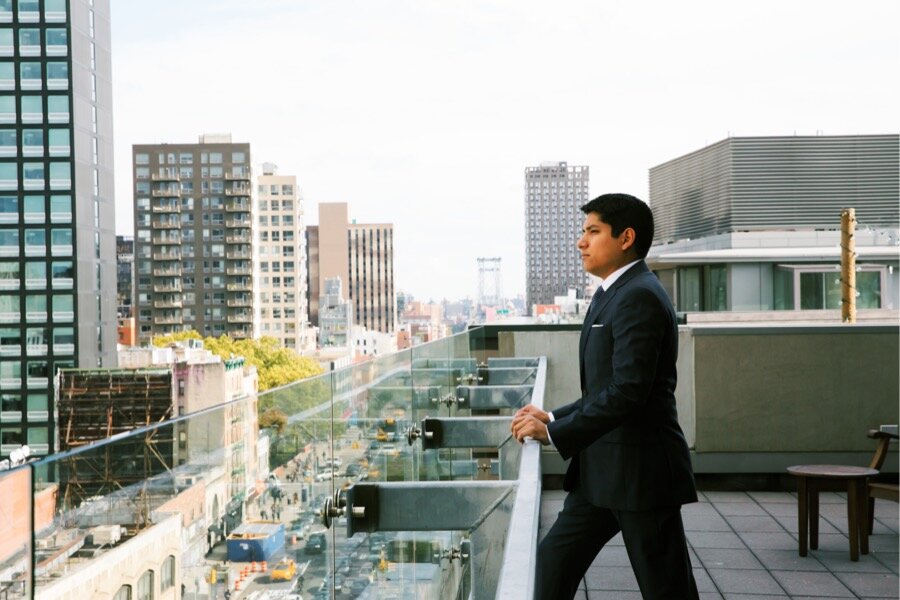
<point>265,567</point>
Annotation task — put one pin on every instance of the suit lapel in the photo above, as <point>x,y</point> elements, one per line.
<point>591,317</point>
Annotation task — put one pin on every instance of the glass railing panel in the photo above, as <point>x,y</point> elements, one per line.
<point>441,540</point>
<point>143,501</point>
<point>390,404</point>
<point>435,369</point>
<point>16,504</point>
<point>303,476</point>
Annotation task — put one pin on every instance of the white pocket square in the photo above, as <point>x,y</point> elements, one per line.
<point>597,325</point>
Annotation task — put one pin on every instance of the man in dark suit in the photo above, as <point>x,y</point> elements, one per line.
<point>631,468</point>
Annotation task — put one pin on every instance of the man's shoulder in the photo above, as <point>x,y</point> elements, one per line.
<point>645,288</point>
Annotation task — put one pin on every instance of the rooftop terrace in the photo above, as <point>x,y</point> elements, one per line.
<point>405,464</point>
<point>743,545</point>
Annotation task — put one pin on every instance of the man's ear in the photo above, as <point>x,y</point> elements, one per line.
<point>627,238</point>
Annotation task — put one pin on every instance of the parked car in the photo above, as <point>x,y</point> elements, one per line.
<point>326,475</point>
<point>284,570</point>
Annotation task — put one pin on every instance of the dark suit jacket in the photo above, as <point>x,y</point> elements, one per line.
<point>628,451</point>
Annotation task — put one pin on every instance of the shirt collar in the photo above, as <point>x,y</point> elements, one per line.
<point>607,283</point>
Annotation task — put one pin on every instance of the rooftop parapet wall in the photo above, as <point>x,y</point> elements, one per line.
<point>815,388</point>
<point>754,398</point>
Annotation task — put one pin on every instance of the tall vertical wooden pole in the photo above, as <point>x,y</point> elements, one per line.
<point>848,265</point>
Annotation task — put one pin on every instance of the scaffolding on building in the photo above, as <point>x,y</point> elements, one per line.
<point>96,404</point>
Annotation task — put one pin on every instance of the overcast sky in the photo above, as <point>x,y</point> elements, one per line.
<point>425,113</point>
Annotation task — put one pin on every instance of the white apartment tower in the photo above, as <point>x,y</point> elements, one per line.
<point>554,194</point>
<point>280,262</point>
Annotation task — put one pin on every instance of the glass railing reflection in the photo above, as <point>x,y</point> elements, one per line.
<point>205,504</point>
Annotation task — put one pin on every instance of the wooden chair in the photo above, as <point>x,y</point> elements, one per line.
<point>885,491</point>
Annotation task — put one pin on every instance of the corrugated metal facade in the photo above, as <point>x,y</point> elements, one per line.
<point>760,183</point>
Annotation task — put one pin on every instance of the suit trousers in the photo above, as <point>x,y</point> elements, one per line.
<point>654,540</point>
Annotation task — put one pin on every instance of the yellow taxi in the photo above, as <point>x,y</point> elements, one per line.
<point>284,570</point>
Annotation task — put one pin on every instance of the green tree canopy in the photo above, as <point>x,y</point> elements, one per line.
<point>275,366</point>
<point>274,419</point>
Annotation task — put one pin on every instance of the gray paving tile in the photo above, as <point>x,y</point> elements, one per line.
<point>699,509</point>
<point>808,583</point>
<point>776,497</point>
<point>891,560</point>
<point>788,560</point>
<point>705,523</point>
<point>741,581</point>
<point>714,539</point>
<point>772,541</point>
<point>710,596</point>
<point>611,556</point>
<point>601,595</point>
<point>754,524</point>
<point>832,498</point>
<point>615,541</point>
<point>839,522</point>
<point>834,542</point>
<point>740,509</point>
<point>840,561</point>
<point>611,579</point>
<point>885,508</point>
<point>883,543</point>
<point>728,558</point>
<point>873,585</point>
<point>755,597</point>
<point>791,525</point>
<point>885,525</point>
<point>726,496</point>
<point>780,510</point>
<point>703,581</point>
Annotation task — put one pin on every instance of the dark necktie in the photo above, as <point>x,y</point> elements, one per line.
<point>595,302</point>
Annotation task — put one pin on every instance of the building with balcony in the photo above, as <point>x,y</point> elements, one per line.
<point>554,193</point>
<point>753,223</point>
<point>57,212</point>
<point>280,262</point>
<point>193,238</point>
<point>362,256</point>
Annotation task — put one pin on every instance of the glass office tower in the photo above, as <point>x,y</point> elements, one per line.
<point>57,219</point>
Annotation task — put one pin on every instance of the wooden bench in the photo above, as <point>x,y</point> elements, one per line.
<point>885,491</point>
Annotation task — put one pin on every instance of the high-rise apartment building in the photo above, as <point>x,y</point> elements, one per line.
<point>281,261</point>
<point>192,238</point>
<point>57,212</point>
<point>362,256</point>
<point>554,193</point>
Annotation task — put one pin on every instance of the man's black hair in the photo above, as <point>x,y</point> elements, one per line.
<point>621,211</point>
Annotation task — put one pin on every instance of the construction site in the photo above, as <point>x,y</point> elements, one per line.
<point>98,404</point>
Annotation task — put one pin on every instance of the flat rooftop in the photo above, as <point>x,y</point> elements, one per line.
<point>744,545</point>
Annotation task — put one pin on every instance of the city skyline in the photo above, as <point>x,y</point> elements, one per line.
<point>427,115</point>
